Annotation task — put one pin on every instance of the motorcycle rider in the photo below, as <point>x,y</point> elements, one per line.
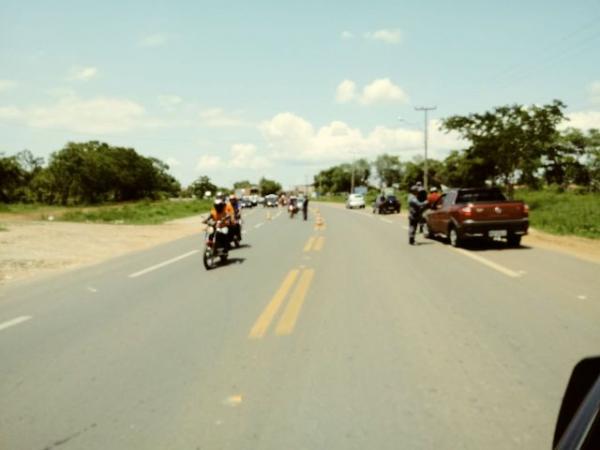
<point>233,208</point>
<point>415,212</point>
<point>219,216</point>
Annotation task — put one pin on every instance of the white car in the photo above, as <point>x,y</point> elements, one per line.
<point>355,201</point>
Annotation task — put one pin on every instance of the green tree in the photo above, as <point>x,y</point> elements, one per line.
<point>268,186</point>
<point>460,169</point>
<point>12,178</point>
<point>388,169</point>
<point>203,185</point>
<point>414,171</point>
<point>511,138</point>
<point>244,184</point>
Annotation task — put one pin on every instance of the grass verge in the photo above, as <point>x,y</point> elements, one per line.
<point>563,213</point>
<point>139,213</point>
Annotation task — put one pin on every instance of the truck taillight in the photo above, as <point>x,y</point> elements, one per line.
<point>466,211</point>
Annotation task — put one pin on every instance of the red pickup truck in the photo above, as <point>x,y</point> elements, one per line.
<point>482,213</point>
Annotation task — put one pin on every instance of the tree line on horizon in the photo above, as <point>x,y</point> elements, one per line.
<point>508,146</point>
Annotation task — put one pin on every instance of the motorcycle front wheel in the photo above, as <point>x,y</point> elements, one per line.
<point>209,259</point>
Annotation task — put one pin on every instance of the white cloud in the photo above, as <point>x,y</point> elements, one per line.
<point>94,115</point>
<point>584,120</point>
<point>382,90</point>
<point>169,102</point>
<point>217,117</point>
<point>245,156</point>
<point>393,36</point>
<point>82,73</point>
<point>289,137</point>
<point>346,35</point>
<point>209,162</point>
<point>345,92</point>
<point>154,40</point>
<point>7,85</point>
<point>594,91</point>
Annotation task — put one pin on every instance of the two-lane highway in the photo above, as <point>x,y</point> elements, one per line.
<point>326,334</point>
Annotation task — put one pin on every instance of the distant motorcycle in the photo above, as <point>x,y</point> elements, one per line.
<point>293,209</point>
<point>216,240</point>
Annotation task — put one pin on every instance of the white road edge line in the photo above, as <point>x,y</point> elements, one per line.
<point>385,220</point>
<point>15,321</point>
<point>258,225</point>
<point>162,264</point>
<point>487,262</point>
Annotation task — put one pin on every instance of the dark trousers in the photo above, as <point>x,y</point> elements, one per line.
<point>413,223</point>
<point>305,213</point>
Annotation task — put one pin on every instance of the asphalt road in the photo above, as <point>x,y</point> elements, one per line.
<point>339,336</point>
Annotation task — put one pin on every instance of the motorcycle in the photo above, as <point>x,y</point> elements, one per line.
<point>216,239</point>
<point>293,209</point>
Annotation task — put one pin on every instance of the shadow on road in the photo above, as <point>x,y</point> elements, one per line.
<point>233,261</point>
<point>241,246</point>
<point>481,245</point>
<point>486,246</point>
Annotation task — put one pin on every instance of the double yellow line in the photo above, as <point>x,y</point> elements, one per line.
<point>314,243</point>
<point>288,318</point>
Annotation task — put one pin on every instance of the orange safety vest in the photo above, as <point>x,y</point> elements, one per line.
<point>215,215</point>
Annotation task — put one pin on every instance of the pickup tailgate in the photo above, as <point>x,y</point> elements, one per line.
<point>492,211</point>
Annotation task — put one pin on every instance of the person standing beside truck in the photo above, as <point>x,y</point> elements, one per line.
<point>433,196</point>
<point>415,212</point>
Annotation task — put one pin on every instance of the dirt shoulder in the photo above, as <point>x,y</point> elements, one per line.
<point>583,248</point>
<point>32,248</point>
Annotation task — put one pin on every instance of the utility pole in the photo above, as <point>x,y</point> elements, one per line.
<point>425,109</point>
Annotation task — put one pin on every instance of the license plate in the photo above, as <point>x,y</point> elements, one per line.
<point>497,233</point>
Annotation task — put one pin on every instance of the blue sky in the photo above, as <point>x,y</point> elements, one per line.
<point>245,89</point>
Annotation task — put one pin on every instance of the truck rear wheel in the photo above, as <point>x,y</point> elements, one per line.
<point>454,238</point>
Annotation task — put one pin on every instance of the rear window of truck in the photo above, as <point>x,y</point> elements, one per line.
<point>480,195</point>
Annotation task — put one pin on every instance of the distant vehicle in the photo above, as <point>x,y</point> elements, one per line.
<point>483,213</point>
<point>254,194</point>
<point>245,202</point>
<point>387,204</point>
<point>271,201</point>
<point>355,201</point>
<point>261,200</point>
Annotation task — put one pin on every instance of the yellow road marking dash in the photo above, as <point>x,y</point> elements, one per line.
<point>309,244</point>
<point>319,243</point>
<point>290,314</point>
<point>264,320</point>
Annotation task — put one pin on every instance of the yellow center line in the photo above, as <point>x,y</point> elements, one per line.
<point>264,320</point>
<point>319,243</point>
<point>290,314</point>
<point>309,244</point>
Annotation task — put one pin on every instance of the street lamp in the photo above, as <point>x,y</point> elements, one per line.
<point>425,129</point>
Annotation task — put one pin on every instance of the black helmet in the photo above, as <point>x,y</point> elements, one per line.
<point>219,205</point>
